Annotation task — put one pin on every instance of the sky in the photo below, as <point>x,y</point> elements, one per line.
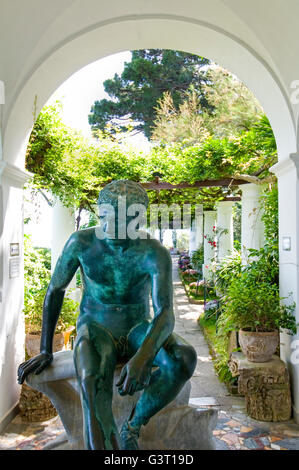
<point>82,89</point>
<point>77,94</point>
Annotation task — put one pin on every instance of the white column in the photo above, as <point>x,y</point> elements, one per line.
<point>287,172</point>
<point>12,329</point>
<point>209,251</point>
<point>196,234</point>
<point>252,231</point>
<point>192,239</point>
<point>63,225</point>
<point>225,222</point>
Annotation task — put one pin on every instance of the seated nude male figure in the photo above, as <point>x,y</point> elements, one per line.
<point>114,325</point>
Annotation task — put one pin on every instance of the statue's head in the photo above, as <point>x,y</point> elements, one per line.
<point>118,203</point>
<point>132,191</point>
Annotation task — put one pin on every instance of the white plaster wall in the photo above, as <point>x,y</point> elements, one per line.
<point>11,319</point>
<point>288,189</point>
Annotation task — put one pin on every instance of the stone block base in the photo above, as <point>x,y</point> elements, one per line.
<point>266,387</point>
<point>177,426</point>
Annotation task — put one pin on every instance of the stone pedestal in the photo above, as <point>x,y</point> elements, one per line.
<point>177,426</point>
<point>265,385</point>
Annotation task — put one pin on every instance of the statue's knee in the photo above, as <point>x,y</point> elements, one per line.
<point>187,359</point>
<point>85,359</point>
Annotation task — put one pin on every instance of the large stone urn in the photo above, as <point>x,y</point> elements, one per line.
<point>258,346</point>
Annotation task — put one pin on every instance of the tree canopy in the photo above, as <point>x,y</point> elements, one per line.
<point>235,110</point>
<point>135,93</point>
<point>74,169</point>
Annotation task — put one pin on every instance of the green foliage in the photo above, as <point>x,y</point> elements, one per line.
<point>288,320</point>
<point>219,349</point>
<point>237,214</point>
<point>197,258</point>
<point>251,292</point>
<point>226,271</point>
<point>270,216</point>
<point>33,308</point>
<point>37,275</point>
<point>74,170</point>
<point>251,304</point>
<point>135,94</point>
<point>251,296</point>
<point>235,110</point>
<point>37,268</point>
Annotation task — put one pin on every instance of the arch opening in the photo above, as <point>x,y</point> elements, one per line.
<point>129,34</point>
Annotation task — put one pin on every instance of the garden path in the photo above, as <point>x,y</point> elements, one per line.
<point>205,382</point>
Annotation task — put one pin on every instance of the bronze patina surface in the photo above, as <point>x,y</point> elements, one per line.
<point>115,325</point>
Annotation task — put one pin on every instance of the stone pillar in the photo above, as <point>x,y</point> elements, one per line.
<point>63,226</point>
<point>196,234</point>
<point>287,172</point>
<point>225,222</point>
<point>12,330</point>
<point>252,231</point>
<point>209,251</point>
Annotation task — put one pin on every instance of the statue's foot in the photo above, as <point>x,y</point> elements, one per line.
<point>129,437</point>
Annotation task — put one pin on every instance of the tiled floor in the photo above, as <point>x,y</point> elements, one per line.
<point>234,431</point>
<point>30,436</point>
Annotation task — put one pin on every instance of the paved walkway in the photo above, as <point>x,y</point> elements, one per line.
<point>205,382</point>
<point>234,431</point>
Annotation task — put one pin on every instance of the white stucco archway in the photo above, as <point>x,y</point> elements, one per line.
<point>65,35</point>
<point>128,33</point>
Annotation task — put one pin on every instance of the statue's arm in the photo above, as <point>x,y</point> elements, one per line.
<point>65,269</point>
<point>66,266</point>
<point>162,324</point>
<point>136,373</point>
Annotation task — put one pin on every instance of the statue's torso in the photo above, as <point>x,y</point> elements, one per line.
<point>116,282</point>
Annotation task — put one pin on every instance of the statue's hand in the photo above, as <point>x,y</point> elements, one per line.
<point>36,364</point>
<point>135,376</point>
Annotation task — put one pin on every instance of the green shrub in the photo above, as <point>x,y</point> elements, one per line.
<point>197,258</point>
<point>226,271</point>
<point>37,275</point>
<point>33,310</point>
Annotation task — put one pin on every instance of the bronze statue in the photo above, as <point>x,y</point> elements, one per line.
<point>114,324</point>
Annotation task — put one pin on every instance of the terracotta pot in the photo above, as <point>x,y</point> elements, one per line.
<point>258,347</point>
<point>60,342</point>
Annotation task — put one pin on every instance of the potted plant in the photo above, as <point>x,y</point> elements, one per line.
<point>255,309</point>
